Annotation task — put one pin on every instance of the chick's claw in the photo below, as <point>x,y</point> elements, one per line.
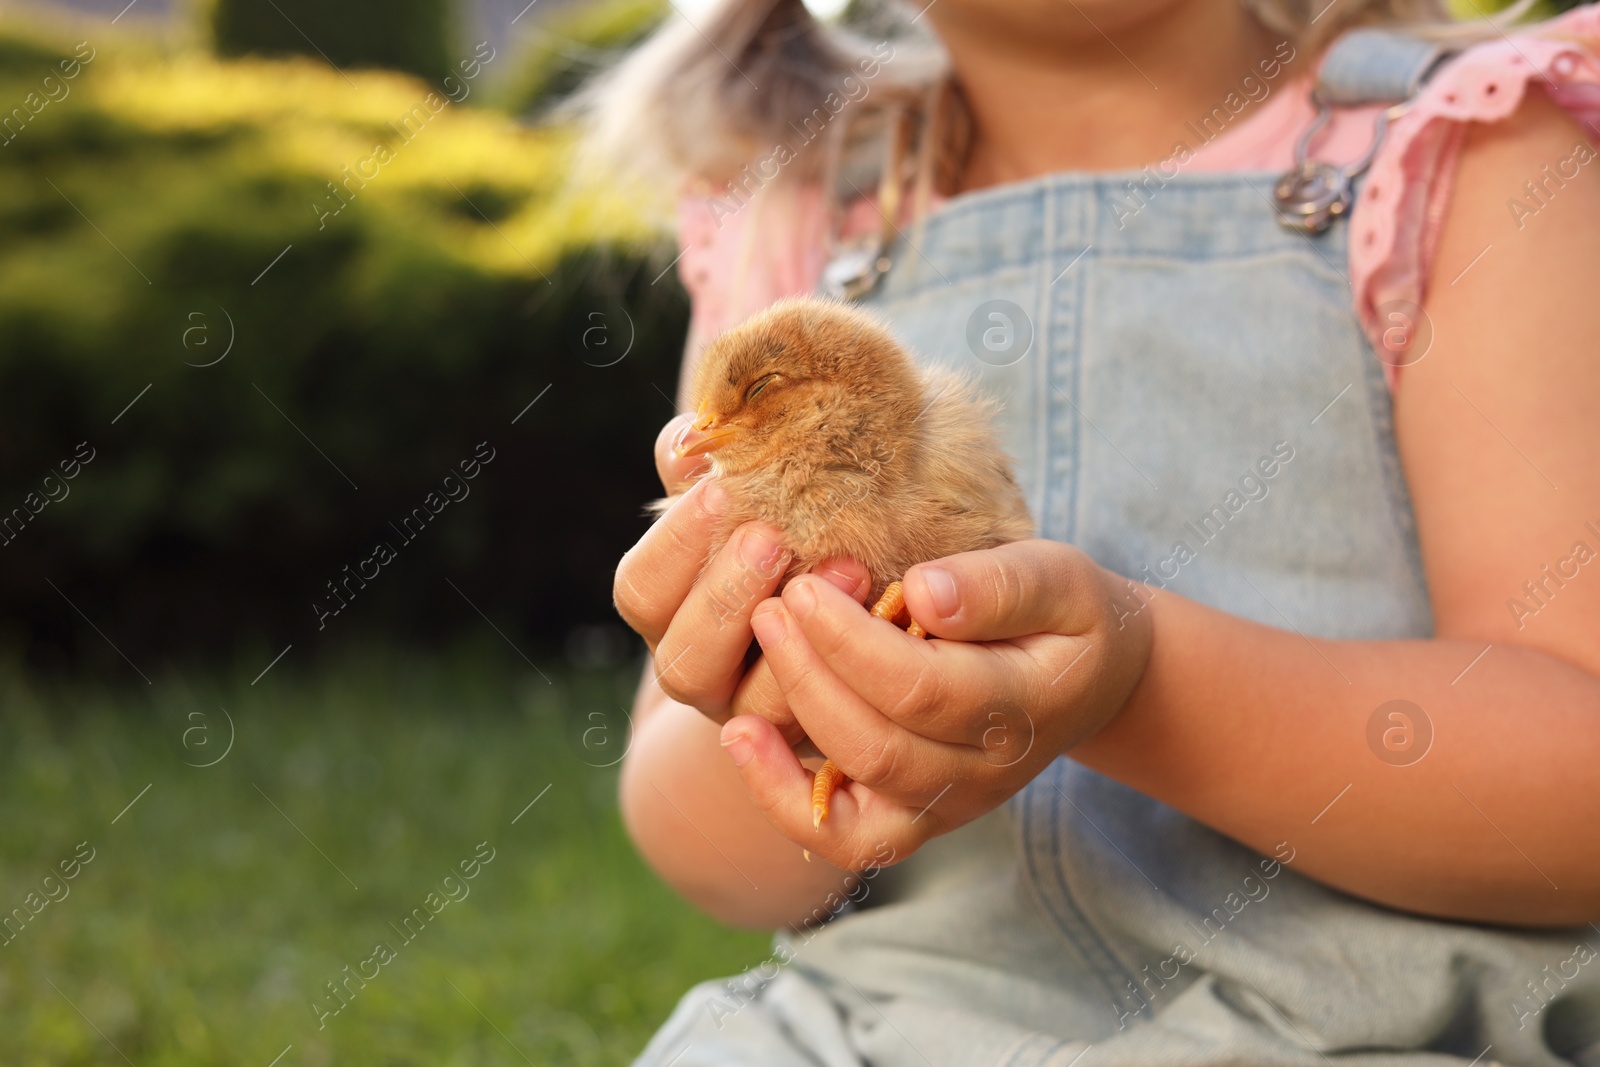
<point>827,782</point>
<point>891,603</point>
<point>892,607</point>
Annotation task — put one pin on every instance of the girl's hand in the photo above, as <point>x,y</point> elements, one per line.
<point>1040,649</point>
<point>694,614</point>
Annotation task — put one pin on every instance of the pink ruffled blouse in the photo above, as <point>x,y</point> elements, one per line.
<point>736,263</point>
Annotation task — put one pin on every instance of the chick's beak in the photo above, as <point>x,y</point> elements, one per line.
<point>703,435</point>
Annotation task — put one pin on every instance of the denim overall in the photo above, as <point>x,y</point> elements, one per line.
<point>1177,369</point>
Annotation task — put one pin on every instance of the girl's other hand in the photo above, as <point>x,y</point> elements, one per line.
<point>1041,648</point>
<point>694,613</point>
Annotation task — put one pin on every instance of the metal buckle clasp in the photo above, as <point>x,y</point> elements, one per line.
<point>1314,193</point>
<point>855,268</point>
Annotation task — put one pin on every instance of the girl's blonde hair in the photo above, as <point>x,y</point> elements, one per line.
<point>709,100</point>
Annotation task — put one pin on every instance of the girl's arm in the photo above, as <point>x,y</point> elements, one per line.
<point>1262,733</point>
<point>1253,732</point>
<point>691,817</point>
<point>1257,731</point>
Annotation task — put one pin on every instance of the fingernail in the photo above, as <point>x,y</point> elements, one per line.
<point>941,590</point>
<point>714,498</point>
<point>841,580</point>
<point>739,749</point>
<point>800,599</point>
<point>759,551</point>
<point>768,629</point>
<point>673,430</point>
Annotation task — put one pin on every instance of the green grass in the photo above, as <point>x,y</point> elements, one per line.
<point>206,925</point>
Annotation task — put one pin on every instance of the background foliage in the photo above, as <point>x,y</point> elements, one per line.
<point>142,218</point>
<point>410,35</point>
<point>575,45</point>
<point>269,371</point>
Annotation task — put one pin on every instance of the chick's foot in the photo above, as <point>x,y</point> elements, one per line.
<point>827,782</point>
<point>892,606</point>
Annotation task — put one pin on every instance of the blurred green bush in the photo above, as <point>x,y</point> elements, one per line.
<point>572,45</point>
<point>280,305</point>
<point>410,35</point>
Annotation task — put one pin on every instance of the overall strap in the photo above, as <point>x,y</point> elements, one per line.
<point>1364,67</point>
<point>1368,66</point>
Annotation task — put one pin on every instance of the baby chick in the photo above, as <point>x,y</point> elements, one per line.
<point>818,422</point>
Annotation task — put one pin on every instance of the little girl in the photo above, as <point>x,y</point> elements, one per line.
<point>1282,744</point>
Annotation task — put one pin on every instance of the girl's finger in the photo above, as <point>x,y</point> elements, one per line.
<point>701,657</point>
<point>779,786</point>
<point>849,576</point>
<point>1026,587</point>
<point>861,741</point>
<point>758,692</point>
<point>657,573</point>
<point>677,472</point>
<point>862,829</point>
<point>935,689</point>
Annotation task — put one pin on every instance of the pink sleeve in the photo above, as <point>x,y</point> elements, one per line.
<point>740,255</point>
<point>1397,217</point>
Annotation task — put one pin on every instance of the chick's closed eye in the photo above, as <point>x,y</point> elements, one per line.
<point>745,405</point>
<point>760,384</point>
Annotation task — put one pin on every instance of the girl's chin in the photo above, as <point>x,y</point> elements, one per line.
<point>1041,20</point>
